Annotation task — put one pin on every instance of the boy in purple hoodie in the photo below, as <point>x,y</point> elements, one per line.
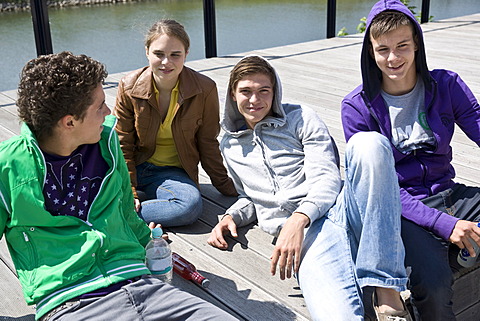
<point>417,110</point>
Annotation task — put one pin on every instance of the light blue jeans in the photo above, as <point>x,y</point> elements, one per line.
<point>358,243</point>
<point>172,197</point>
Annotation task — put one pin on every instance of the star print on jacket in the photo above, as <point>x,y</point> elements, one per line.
<point>72,182</point>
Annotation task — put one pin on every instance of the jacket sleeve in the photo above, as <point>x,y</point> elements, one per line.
<point>138,226</point>
<point>5,196</point>
<point>208,145</point>
<point>125,127</point>
<point>466,109</point>
<point>320,167</point>
<point>3,213</point>
<point>467,116</point>
<point>431,219</point>
<point>353,120</point>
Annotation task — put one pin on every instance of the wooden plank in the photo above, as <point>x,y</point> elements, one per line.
<point>245,295</point>
<point>9,121</point>
<point>198,291</point>
<point>467,292</point>
<point>470,314</point>
<point>12,304</point>
<point>8,104</point>
<point>5,256</point>
<point>246,264</point>
<point>6,133</point>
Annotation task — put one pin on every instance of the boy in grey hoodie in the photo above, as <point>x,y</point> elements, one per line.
<point>282,161</point>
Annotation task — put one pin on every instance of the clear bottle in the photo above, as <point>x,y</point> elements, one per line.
<point>464,258</point>
<point>188,271</point>
<point>159,256</point>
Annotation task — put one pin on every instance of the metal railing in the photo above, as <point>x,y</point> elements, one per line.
<point>41,27</point>
<point>43,38</point>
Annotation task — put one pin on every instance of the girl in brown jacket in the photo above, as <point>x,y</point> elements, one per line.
<point>168,121</point>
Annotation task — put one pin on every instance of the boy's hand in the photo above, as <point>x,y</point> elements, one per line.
<point>153,225</point>
<point>137,204</point>
<point>226,225</point>
<point>289,246</point>
<point>463,232</point>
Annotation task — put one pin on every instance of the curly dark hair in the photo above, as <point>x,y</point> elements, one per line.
<point>53,86</point>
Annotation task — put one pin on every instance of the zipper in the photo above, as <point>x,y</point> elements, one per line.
<point>434,85</point>
<point>32,255</point>
<point>107,175</point>
<point>424,170</point>
<point>95,254</point>
<point>272,175</point>
<point>370,110</point>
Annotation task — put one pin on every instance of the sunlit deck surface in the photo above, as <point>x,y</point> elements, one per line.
<point>318,74</point>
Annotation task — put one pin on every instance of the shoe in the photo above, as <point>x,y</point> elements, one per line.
<point>390,316</point>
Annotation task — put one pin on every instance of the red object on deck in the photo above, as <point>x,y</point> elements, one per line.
<point>188,271</point>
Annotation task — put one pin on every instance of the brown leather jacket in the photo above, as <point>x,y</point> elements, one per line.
<point>195,126</point>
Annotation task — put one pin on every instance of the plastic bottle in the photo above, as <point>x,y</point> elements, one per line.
<point>464,258</point>
<point>159,256</point>
<point>188,271</point>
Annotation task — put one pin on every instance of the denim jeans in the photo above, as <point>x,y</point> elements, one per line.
<point>172,197</point>
<point>358,242</point>
<point>432,259</point>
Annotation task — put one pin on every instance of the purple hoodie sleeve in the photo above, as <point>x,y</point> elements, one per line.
<point>466,107</point>
<point>431,219</point>
<point>353,120</point>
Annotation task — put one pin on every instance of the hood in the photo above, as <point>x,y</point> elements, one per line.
<point>371,74</point>
<point>234,123</point>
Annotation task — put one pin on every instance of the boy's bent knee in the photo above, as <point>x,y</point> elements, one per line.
<point>368,142</point>
<point>371,147</point>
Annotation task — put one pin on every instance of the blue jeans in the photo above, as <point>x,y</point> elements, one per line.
<point>358,242</point>
<point>172,198</point>
<point>433,260</point>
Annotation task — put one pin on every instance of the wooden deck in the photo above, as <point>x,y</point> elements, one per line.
<point>318,74</point>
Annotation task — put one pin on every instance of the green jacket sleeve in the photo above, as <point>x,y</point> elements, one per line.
<point>138,226</point>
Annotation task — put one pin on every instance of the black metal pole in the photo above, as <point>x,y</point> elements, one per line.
<point>41,27</point>
<point>331,18</point>
<point>425,11</point>
<point>210,28</point>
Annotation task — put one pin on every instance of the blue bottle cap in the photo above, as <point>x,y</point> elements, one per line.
<point>157,232</point>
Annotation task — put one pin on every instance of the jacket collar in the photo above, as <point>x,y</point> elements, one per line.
<point>188,86</point>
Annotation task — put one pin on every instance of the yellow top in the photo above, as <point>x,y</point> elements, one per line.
<point>165,150</point>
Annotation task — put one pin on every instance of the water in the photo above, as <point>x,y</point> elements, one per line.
<point>113,34</point>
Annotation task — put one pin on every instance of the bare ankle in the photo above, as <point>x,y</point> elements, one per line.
<point>388,300</point>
